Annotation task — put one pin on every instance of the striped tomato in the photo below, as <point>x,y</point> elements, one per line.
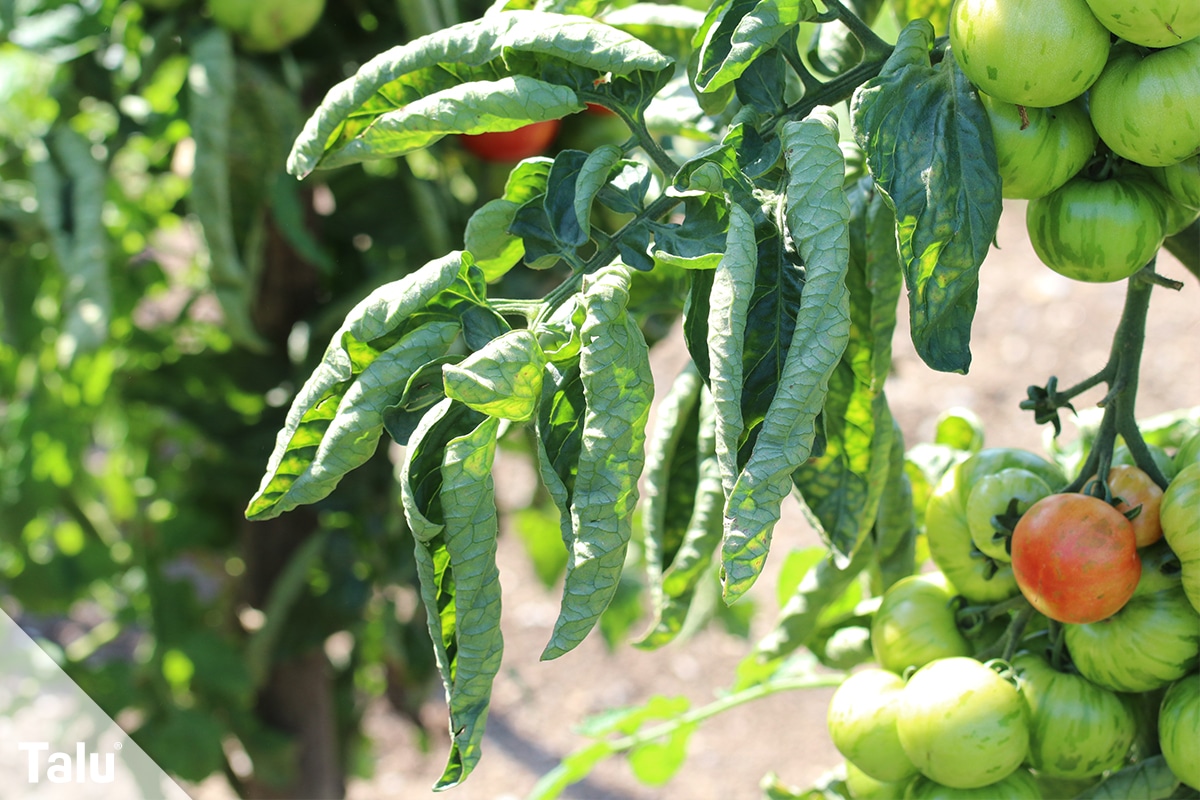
<point>1076,728</point>
<point>1179,729</point>
<point>1039,149</point>
<point>1152,641</point>
<point>915,624</point>
<point>1179,515</point>
<point>1020,785</point>
<point>862,724</point>
<point>1097,231</point>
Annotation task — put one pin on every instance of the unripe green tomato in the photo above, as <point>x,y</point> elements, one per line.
<point>915,624</point>
<point>1182,180</point>
<point>1096,231</point>
<point>936,11</point>
<point>1041,151</point>
<point>1039,53</point>
<point>266,26</point>
<point>1150,23</point>
<point>991,497</point>
<point>862,786</point>
<point>862,724</point>
<point>1176,216</point>
<point>1020,785</point>
<point>1076,729</point>
<point>1179,729</point>
<point>1187,454</point>
<point>1140,103</point>
<point>1179,515</point>
<point>963,725</point>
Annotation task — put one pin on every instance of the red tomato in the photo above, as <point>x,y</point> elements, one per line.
<point>1075,558</point>
<point>1134,488</point>
<point>512,146</point>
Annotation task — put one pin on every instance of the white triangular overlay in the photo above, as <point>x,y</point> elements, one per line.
<point>56,743</point>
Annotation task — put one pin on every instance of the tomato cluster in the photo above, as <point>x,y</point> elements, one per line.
<point>1103,670</point>
<point>1101,138</point>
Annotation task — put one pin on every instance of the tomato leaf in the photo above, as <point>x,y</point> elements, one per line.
<point>667,28</point>
<point>894,534</point>
<point>833,48</point>
<point>841,486</point>
<point>497,73</point>
<point>617,384</point>
<point>818,217</point>
<point>736,32</point>
<point>446,487</point>
<point>336,418</point>
<point>929,145</point>
<point>503,379</point>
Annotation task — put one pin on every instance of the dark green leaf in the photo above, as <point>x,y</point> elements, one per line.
<point>736,32</point>
<point>929,145</point>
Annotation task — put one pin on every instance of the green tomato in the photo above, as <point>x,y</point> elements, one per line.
<point>1150,23</point>
<point>1076,729</point>
<point>1188,453</point>
<point>1039,149</point>
<point>1096,231</point>
<point>1182,180</point>
<point>936,11</point>
<point>978,578</point>
<point>1020,785</point>
<point>1039,53</point>
<point>915,624</point>
<point>992,497</point>
<point>1140,104</point>
<point>862,786</point>
<point>862,724</point>
<point>961,724</point>
<point>1179,515</point>
<point>1179,729</point>
<point>266,26</point>
<point>1152,641</point>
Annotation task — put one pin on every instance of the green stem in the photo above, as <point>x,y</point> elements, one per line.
<point>872,45</point>
<point>698,715</point>
<point>657,154</point>
<point>835,91</point>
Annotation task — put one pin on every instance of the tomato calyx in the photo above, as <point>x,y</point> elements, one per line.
<point>1005,523</point>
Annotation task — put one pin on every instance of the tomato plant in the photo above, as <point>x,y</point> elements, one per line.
<point>1180,524</point>
<point>962,724</point>
<point>1135,493</point>
<point>1151,23</point>
<point>993,506</point>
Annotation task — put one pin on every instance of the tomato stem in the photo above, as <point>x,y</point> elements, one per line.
<point>871,43</point>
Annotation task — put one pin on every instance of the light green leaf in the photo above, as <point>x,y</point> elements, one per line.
<point>503,380</point>
<point>518,44</point>
<point>655,763</point>
<point>818,218</point>
<point>447,490</point>
<point>336,418</point>
<point>618,388</point>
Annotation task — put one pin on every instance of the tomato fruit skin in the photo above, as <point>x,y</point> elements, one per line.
<point>991,497</point>
<point>915,624</point>
<point>1152,641</point>
<point>1020,785</point>
<point>1075,558</point>
<point>862,724</point>
<point>862,786</point>
<point>1179,729</point>
<point>1135,489</point>
<point>512,146</point>
<point>961,724</point>
<point>1076,729</point>
<point>980,580</point>
<point>1039,53</point>
<point>1096,231</point>
<point>1181,180</point>
<point>1041,152</point>
<point>1187,454</point>
<point>1179,515</point>
<point>1150,23</point>
<point>1137,104</point>
<point>936,11</point>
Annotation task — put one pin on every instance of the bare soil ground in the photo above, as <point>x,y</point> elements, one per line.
<point>1030,324</point>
